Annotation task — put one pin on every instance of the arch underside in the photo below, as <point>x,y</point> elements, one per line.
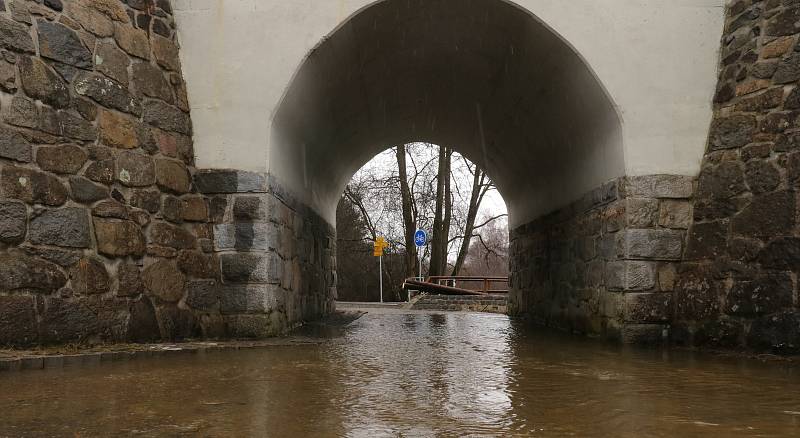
<point>482,76</point>
<point>490,80</point>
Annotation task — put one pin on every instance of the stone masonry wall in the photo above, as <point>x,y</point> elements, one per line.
<point>278,258</point>
<point>99,222</point>
<point>738,286</point>
<point>605,265</point>
<point>104,235</point>
<point>462,303</point>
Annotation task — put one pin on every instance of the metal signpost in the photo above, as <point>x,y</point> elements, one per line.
<point>420,239</point>
<point>377,251</point>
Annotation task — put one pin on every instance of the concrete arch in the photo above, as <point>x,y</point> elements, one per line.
<point>483,76</point>
<point>599,207</point>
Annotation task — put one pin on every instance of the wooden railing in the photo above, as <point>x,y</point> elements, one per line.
<point>461,281</point>
<point>448,284</point>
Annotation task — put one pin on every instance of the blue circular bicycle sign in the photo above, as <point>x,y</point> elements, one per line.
<point>420,238</point>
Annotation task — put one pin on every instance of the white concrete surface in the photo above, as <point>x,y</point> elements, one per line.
<point>655,62</point>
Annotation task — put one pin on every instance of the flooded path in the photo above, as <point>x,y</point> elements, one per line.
<point>421,374</point>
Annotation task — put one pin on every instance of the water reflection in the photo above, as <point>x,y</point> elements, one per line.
<point>412,375</point>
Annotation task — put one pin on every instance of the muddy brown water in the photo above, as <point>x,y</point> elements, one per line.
<point>412,374</point>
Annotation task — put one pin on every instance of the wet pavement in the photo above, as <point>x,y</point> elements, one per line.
<point>400,373</point>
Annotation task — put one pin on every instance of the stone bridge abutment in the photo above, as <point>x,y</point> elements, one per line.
<point>122,218</point>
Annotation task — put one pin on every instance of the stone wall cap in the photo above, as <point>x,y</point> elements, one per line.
<point>216,181</point>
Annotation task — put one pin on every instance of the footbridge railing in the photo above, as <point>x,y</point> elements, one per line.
<point>457,285</point>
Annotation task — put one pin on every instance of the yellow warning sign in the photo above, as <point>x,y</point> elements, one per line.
<point>378,246</point>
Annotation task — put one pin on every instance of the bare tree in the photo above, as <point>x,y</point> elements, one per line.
<point>409,212</point>
<point>442,215</point>
<point>412,186</point>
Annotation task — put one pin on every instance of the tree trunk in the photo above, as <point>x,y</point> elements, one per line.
<point>472,213</point>
<point>436,245</point>
<point>448,211</point>
<point>408,214</point>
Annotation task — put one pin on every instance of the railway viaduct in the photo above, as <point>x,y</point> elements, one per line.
<point>172,169</point>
